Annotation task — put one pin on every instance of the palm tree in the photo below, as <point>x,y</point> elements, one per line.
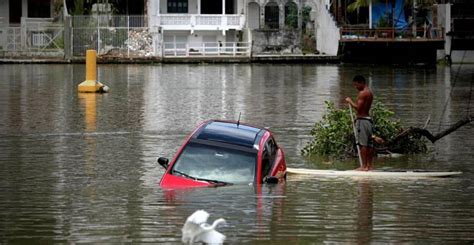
<point>357,4</point>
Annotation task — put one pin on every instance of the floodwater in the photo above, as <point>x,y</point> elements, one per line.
<point>82,167</point>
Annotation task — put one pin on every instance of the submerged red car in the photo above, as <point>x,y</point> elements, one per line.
<point>225,152</point>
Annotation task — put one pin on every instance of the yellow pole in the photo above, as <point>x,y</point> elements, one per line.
<point>91,85</point>
<point>91,65</point>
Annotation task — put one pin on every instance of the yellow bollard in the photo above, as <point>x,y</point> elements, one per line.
<point>91,85</point>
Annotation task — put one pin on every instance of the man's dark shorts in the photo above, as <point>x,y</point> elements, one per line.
<point>365,130</point>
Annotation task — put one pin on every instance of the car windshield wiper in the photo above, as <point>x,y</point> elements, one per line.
<point>216,182</point>
<point>183,174</point>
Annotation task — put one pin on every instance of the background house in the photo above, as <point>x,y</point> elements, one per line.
<point>30,27</point>
<point>196,27</point>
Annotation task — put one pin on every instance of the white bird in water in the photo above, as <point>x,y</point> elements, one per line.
<point>197,230</point>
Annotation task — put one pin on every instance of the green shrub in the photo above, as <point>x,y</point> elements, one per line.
<point>333,136</point>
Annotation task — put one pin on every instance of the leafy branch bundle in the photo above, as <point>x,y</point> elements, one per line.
<point>333,135</point>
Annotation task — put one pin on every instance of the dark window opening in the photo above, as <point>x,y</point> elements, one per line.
<point>129,7</point>
<point>177,6</point>
<point>120,7</point>
<point>39,8</point>
<point>15,11</point>
<point>229,7</point>
<point>272,15</point>
<point>215,7</point>
<point>211,6</point>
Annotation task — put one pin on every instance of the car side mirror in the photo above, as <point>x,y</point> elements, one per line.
<point>271,180</point>
<point>163,161</point>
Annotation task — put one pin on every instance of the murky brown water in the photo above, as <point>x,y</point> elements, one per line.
<point>82,167</point>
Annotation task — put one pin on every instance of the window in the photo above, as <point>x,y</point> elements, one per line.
<point>272,149</point>
<point>272,14</point>
<point>253,15</point>
<point>15,11</point>
<point>177,6</point>
<point>39,8</point>
<point>291,15</point>
<point>268,156</point>
<point>211,161</point>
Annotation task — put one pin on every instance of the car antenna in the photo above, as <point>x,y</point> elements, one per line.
<point>238,121</point>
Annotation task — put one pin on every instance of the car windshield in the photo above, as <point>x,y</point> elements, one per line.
<point>212,162</point>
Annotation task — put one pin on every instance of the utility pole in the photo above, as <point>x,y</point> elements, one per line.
<point>414,19</point>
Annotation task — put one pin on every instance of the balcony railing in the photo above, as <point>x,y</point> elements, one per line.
<point>200,22</point>
<point>391,34</point>
<point>179,49</point>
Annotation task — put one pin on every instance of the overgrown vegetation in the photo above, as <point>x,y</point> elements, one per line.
<point>305,15</point>
<point>291,18</point>
<point>333,135</point>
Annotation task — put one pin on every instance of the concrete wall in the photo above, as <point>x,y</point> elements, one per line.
<point>281,6</point>
<point>458,56</point>
<point>4,17</point>
<point>276,42</point>
<point>444,21</point>
<point>4,12</point>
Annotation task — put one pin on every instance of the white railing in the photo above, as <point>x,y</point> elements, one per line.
<point>13,39</point>
<point>234,20</point>
<point>176,49</point>
<point>200,21</point>
<point>209,20</point>
<point>175,20</point>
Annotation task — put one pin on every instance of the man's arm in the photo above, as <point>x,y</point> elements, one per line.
<point>350,102</point>
<point>361,104</point>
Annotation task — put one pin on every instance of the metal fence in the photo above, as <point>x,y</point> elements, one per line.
<point>110,35</point>
<point>33,37</point>
<point>121,36</point>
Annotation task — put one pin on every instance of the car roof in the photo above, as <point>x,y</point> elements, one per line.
<point>231,133</point>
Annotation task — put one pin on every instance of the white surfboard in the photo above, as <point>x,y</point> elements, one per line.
<point>374,173</point>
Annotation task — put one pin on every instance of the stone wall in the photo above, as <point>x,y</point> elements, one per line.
<point>286,41</point>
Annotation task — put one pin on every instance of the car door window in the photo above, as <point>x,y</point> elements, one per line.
<point>272,149</point>
<point>268,156</point>
<point>265,161</point>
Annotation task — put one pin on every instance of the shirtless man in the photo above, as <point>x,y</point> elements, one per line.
<point>363,123</point>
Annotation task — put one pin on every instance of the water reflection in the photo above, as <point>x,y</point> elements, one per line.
<point>364,211</point>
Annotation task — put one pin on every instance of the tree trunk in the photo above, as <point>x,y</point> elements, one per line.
<point>428,134</point>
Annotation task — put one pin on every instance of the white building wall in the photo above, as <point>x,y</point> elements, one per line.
<point>24,8</point>
<point>4,12</point>
<point>327,32</point>
<point>4,19</point>
<point>192,7</point>
<point>181,34</point>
